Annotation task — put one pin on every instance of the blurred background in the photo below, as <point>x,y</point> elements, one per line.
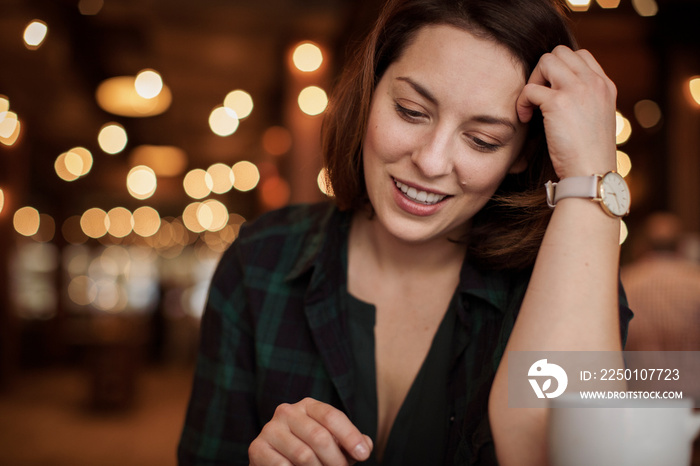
<point>137,135</point>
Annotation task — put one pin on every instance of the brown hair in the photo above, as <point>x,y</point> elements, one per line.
<point>508,231</point>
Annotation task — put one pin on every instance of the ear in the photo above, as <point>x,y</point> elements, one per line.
<point>519,165</point>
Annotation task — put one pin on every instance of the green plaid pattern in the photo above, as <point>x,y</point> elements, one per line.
<point>274,331</point>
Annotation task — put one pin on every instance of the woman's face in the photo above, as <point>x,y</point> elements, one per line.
<point>442,133</point>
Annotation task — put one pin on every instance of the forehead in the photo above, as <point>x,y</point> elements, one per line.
<point>452,59</point>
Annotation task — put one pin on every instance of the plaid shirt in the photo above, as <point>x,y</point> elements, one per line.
<point>274,332</point>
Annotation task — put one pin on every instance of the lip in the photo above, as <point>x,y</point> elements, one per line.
<point>412,207</point>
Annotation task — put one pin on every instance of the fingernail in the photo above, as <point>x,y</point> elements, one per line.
<point>360,452</point>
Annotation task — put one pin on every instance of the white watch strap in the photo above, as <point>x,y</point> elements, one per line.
<point>575,186</point>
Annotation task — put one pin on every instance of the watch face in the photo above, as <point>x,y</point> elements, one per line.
<point>615,195</point>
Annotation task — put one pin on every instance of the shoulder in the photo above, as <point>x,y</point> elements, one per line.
<point>276,241</point>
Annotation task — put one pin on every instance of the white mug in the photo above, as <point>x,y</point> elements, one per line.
<point>621,432</point>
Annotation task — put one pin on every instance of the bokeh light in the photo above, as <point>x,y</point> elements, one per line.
<point>608,3</point>
<point>47,229</point>
<point>198,183</point>
<point>118,96</point>
<point>240,102</point>
<point>221,177</point>
<point>647,113</point>
<point>120,222</point>
<point>579,5</point>
<point>212,215</point>
<point>307,57</point>
<point>82,290</point>
<point>694,88</point>
<point>324,183</point>
<point>624,231</point>
<point>166,161</point>
<point>275,192</point>
<point>72,230</point>
<point>9,127</point>
<point>90,7</point>
<point>112,138</point>
<point>148,83</point>
<point>645,7</point>
<point>246,175</point>
<point>277,140</point>
<point>313,100</point>
<point>623,129</point>
<point>146,221</point>
<point>2,200</point>
<point>94,222</point>
<point>26,221</point>
<point>34,34</point>
<point>141,182</point>
<point>223,121</point>
<point>624,163</point>
<point>190,217</point>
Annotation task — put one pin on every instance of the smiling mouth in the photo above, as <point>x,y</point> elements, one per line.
<point>421,197</point>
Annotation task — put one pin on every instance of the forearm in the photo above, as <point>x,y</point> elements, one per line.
<point>570,305</point>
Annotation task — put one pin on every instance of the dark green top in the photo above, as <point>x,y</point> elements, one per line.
<point>275,330</point>
<point>420,430</point>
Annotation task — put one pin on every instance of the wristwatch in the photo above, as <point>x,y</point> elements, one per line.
<point>610,190</point>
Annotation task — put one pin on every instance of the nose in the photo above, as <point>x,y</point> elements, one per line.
<point>433,157</point>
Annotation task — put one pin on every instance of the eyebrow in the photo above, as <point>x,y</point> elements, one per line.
<point>487,119</point>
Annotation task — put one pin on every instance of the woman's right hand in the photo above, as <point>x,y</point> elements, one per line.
<point>309,433</point>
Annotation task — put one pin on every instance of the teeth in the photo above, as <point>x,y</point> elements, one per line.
<point>423,197</point>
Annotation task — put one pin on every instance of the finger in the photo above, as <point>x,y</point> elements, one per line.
<point>532,96</point>
<point>573,61</point>
<point>345,432</point>
<point>261,453</point>
<point>319,440</point>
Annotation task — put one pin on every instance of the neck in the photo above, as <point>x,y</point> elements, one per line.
<point>390,253</point>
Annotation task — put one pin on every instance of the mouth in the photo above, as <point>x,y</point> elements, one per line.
<point>419,196</point>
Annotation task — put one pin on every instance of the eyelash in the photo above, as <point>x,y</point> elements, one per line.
<point>411,116</point>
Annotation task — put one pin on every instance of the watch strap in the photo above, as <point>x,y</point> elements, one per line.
<point>575,186</point>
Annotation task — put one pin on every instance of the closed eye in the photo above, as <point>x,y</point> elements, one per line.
<point>484,146</point>
<point>408,114</point>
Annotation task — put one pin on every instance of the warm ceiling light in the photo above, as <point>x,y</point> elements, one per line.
<point>164,160</point>
<point>112,138</point>
<point>223,121</point>
<point>313,100</point>
<point>246,176</point>
<point>240,102</point>
<point>623,129</point>
<point>34,34</point>
<point>141,182</point>
<point>694,88</point>
<point>609,3</point>
<point>645,7</point>
<point>307,57</point>
<point>198,183</point>
<point>26,221</point>
<point>148,83</point>
<point>118,96</point>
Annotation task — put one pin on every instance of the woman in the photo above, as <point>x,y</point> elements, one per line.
<point>377,329</point>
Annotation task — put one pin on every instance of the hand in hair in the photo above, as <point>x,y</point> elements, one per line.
<point>577,101</point>
<point>310,433</point>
